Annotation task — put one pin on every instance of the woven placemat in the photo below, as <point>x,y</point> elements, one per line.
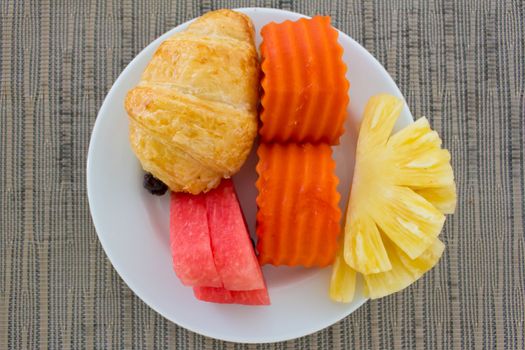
<point>461,63</point>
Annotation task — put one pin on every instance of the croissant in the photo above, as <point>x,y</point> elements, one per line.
<point>193,115</point>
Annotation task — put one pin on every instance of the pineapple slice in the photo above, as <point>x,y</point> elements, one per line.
<point>403,185</point>
<point>369,254</point>
<point>443,198</point>
<point>408,219</point>
<point>343,280</point>
<point>404,272</point>
<point>417,159</point>
<point>388,173</point>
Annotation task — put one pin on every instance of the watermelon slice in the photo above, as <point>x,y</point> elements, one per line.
<point>212,250</point>
<point>190,241</point>
<point>224,296</point>
<point>232,249</point>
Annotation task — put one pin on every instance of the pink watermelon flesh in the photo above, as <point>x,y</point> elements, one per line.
<point>190,241</point>
<point>232,249</point>
<point>224,296</point>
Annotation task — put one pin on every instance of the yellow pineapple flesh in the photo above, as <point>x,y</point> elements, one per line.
<point>404,272</point>
<point>443,198</point>
<point>403,185</point>
<point>342,283</point>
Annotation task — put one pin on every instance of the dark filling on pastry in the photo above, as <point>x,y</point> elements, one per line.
<point>154,185</point>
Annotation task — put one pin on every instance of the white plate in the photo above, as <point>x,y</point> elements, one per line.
<point>133,225</point>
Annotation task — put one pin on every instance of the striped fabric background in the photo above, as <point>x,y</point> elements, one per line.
<point>461,63</point>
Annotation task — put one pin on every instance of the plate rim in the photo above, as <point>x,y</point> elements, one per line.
<point>96,223</point>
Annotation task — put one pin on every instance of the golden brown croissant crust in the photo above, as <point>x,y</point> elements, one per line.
<point>193,115</point>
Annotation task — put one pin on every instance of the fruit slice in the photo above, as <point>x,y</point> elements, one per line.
<point>224,296</point>
<point>403,185</point>
<point>364,236</point>
<point>419,161</point>
<point>342,283</point>
<point>443,198</point>
<point>305,89</point>
<point>298,216</point>
<point>232,249</point>
<point>190,241</point>
<point>404,272</point>
<point>388,170</point>
<point>413,223</point>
